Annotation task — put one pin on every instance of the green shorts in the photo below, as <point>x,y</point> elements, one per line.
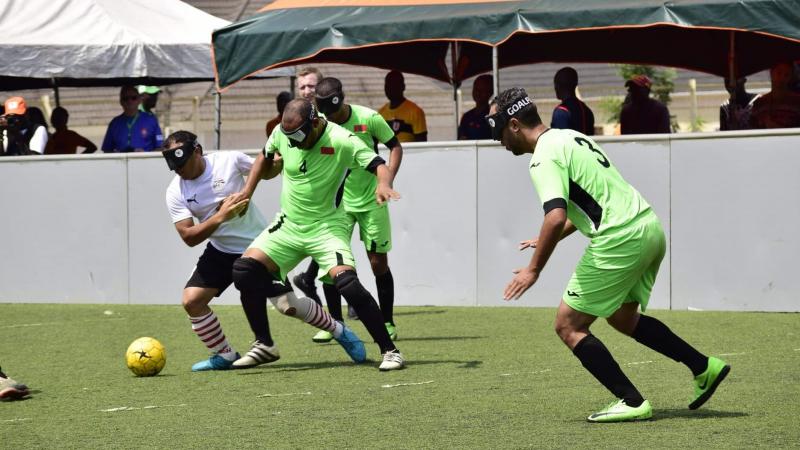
<point>287,243</point>
<point>618,269</point>
<point>374,227</point>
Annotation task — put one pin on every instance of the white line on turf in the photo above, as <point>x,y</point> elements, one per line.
<point>406,384</point>
<point>21,419</point>
<point>524,373</point>
<point>22,325</point>
<point>732,354</point>
<point>134,408</point>
<point>636,363</point>
<point>283,395</point>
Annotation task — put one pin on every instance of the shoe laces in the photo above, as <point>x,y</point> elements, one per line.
<point>393,356</point>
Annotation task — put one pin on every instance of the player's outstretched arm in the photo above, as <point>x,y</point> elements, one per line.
<point>263,169</point>
<point>549,235</point>
<point>384,191</point>
<point>569,228</point>
<point>395,157</point>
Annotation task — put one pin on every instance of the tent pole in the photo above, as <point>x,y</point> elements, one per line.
<point>732,61</point>
<point>217,118</point>
<point>495,72</point>
<point>54,82</point>
<point>454,60</point>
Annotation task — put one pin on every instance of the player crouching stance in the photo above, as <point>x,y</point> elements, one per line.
<point>581,189</point>
<point>208,188</point>
<point>315,157</point>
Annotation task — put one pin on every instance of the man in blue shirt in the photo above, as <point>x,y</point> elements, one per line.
<point>571,113</point>
<point>133,130</point>
<point>473,123</point>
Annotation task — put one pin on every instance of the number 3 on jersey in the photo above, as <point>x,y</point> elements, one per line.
<point>603,162</point>
<point>303,167</point>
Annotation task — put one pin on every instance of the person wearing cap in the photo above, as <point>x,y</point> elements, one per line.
<point>404,116</point>
<point>149,96</point>
<point>642,114</point>
<point>280,102</point>
<point>373,221</point>
<point>133,130</point>
<point>206,202</point>
<point>571,113</point>
<point>316,156</point>
<point>23,129</point>
<point>581,189</point>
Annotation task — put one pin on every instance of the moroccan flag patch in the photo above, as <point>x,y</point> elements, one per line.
<point>361,128</point>
<point>326,150</point>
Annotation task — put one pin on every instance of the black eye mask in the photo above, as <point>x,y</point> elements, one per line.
<point>499,120</point>
<point>330,104</point>
<point>299,134</point>
<point>178,157</point>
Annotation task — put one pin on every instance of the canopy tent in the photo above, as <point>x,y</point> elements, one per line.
<point>105,43</point>
<point>416,36</point>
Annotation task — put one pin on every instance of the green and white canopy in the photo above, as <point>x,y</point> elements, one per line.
<point>416,36</point>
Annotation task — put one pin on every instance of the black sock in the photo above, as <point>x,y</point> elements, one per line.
<point>596,358</point>
<point>334,301</point>
<point>385,285</point>
<point>356,295</point>
<point>654,334</point>
<point>250,278</point>
<point>311,273</point>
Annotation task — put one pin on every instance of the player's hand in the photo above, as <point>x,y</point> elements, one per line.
<point>230,207</point>
<point>523,279</point>
<point>528,244</point>
<point>238,197</point>
<point>385,193</point>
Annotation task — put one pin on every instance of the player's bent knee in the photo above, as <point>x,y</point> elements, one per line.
<point>350,287</point>
<point>251,276</point>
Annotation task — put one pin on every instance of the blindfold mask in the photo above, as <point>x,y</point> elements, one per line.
<point>499,120</point>
<point>331,103</point>
<point>299,134</point>
<point>178,157</point>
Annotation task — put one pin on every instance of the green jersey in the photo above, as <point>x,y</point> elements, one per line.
<point>370,127</point>
<point>570,170</point>
<point>313,179</point>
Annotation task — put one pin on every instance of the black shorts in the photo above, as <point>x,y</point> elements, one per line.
<point>214,269</point>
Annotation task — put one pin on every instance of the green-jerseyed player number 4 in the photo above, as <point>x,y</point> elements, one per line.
<point>303,167</point>
<point>603,162</point>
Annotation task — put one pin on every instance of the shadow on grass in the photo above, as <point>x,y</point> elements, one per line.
<point>368,364</point>
<point>681,413</point>
<point>419,312</point>
<point>439,338</point>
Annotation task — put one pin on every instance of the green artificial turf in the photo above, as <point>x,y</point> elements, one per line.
<point>476,378</point>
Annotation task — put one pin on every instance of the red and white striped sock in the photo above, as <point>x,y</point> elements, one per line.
<point>318,317</point>
<point>209,330</point>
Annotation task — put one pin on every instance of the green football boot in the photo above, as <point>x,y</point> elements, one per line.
<point>706,383</point>
<point>392,330</point>
<point>322,336</point>
<point>620,412</point>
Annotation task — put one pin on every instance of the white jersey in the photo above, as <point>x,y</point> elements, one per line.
<point>199,199</point>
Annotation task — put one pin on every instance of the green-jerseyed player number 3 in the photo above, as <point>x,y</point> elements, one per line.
<point>603,162</point>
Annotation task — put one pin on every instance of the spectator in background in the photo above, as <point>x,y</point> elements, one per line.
<point>280,102</point>
<point>306,82</point>
<point>780,107</point>
<point>64,141</point>
<point>133,130</point>
<point>642,114</point>
<point>24,130</point>
<point>149,98</point>
<point>571,113</point>
<point>734,113</point>
<point>473,123</point>
<point>404,116</point>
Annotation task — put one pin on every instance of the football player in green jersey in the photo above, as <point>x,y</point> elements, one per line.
<point>315,158</point>
<point>581,189</point>
<point>359,202</point>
